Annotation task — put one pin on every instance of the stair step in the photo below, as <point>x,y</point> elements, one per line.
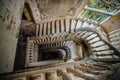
<point>107,59</point>
<point>86,35</point>
<point>104,47</point>
<point>118,47</point>
<point>115,39</point>
<point>86,70</point>
<point>77,34</point>
<point>116,42</point>
<point>99,43</point>
<point>94,40</point>
<point>92,67</point>
<point>105,56</point>
<point>84,32</point>
<point>78,73</point>
<point>103,65</point>
<point>91,37</point>
<point>65,75</point>
<point>115,34</point>
<point>105,52</point>
<point>94,71</point>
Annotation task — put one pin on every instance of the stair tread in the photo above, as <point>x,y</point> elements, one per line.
<point>107,59</point>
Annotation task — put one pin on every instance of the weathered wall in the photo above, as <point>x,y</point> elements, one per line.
<point>112,24</point>
<point>53,9</point>
<point>10,16</point>
<point>27,29</point>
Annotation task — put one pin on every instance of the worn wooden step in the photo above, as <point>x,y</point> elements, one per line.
<point>105,52</point>
<point>115,38</point>
<point>65,75</point>
<point>86,70</point>
<point>97,44</point>
<point>87,35</point>
<point>82,33</point>
<point>107,59</point>
<point>91,37</point>
<point>116,43</point>
<point>62,25</point>
<point>104,47</point>
<point>91,71</point>
<point>94,40</point>
<point>79,73</point>
<point>114,33</point>
<point>92,67</point>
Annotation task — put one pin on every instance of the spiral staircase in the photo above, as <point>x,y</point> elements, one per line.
<point>81,50</point>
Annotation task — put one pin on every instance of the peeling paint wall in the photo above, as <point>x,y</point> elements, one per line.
<point>10,19</point>
<point>112,24</point>
<point>53,9</point>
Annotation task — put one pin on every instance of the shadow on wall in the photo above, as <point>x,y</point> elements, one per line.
<point>27,30</point>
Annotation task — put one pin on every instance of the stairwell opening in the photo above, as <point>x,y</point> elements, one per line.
<point>52,54</point>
